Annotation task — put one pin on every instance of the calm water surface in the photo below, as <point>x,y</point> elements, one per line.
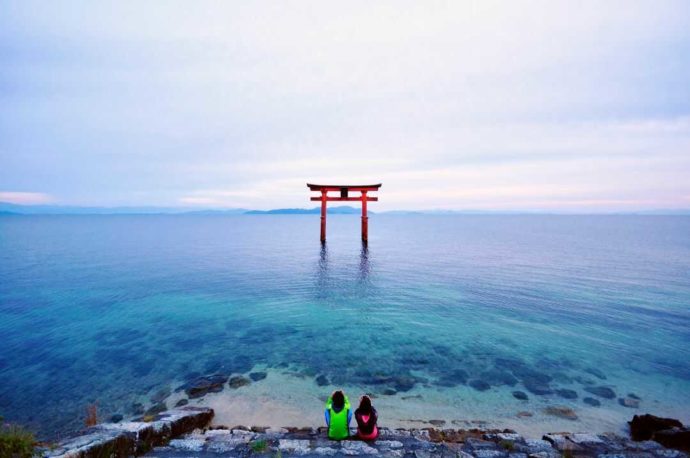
<point>457,310</point>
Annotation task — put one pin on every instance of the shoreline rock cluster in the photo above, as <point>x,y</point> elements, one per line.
<point>185,432</point>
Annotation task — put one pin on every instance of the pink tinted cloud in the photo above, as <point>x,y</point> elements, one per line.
<point>25,198</point>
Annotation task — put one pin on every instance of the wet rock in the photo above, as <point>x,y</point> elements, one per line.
<point>437,422</point>
<point>117,418</point>
<point>238,381</point>
<point>479,385</point>
<point>525,414</point>
<point>296,446</point>
<point>256,376</point>
<point>567,394</point>
<point>583,380</point>
<point>678,438</point>
<point>521,395</point>
<point>601,391</point>
<point>203,385</point>
<point>596,372</point>
<point>643,427</point>
<point>321,380</point>
<point>156,409</point>
<point>161,395</point>
<point>592,402</point>
<point>389,392</point>
<point>182,402</point>
<point>629,402</point>
<point>561,412</point>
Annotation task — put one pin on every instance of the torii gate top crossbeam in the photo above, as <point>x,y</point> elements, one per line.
<point>338,187</point>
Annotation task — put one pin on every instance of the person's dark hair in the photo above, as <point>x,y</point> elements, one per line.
<point>365,404</point>
<point>338,399</point>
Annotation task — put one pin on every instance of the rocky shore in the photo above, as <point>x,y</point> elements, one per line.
<point>185,432</point>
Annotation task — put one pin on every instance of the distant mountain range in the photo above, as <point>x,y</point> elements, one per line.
<point>14,209</point>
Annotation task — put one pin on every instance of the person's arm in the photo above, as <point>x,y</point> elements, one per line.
<point>327,415</point>
<point>349,417</point>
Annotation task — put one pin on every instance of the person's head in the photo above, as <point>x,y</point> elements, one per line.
<point>365,404</point>
<point>338,399</point>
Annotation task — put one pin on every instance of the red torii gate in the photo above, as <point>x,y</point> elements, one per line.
<point>344,197</point>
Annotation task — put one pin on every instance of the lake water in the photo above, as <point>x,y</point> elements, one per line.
<point>442,317</point>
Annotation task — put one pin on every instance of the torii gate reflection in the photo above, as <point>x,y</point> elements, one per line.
<point>345,197</point>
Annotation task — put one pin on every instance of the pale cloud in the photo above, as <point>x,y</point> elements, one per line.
<point>26,198</point>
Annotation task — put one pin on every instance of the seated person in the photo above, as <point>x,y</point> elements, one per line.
<point>338,416</point>
<point>366,420</point>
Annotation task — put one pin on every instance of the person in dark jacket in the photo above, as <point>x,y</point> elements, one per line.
<point>366,420</point>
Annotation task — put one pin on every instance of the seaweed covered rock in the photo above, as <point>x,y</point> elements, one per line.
<point>203,385</point>
<point>643,427</point>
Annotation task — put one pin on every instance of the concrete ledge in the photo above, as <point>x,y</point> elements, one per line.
<point>131,438</point>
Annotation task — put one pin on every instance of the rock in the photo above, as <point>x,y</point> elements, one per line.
<point>296,446</point>
<point>437,422</point>
<point>678,438</point>
<point>161,395</point>
<point>156,409</point>
<point>117,418</point>
<point>629,402</point>
<point>389,392</point>
<point>238,381</point>
<point>601,391</point>
<point>256,376</point>
<point>357,448</point>
<point>453,378</point>
<point>596,372</point>
<point>182,402</point>
<point>567,394</point>
<point>634,396</point>
<point>537,387</point>
<point>521,395</point>
<point>479,385</point>
<point>131,438</point>
<point>592,402</point>
<point>498,377</point>
<point>321,380</point>
<point>137,408</point>
<point>643,427</point>
<point>203,385</point>
<point>561,412</point>
<point>585,439</point>
<point>404,383</point>
<point>524,414</point>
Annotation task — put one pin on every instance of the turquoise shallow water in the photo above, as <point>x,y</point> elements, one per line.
<point>108,308</point>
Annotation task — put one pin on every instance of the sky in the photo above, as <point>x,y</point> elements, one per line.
<point>579,106</point>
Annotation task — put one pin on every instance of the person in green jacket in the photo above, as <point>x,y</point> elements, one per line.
<point>338,415</point>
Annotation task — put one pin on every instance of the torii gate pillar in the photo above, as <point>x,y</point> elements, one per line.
<point>345,197</point>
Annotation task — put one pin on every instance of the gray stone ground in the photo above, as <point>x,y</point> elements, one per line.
<point>424,443</point>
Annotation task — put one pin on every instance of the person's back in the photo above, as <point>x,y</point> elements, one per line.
<point>366,417</point>
<point>338,415</point>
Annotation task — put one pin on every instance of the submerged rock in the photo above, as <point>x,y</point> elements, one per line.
<point>256,376</point>
<point>453,378</point>
<point>479,385</point>
<point>437,422</point>
<point>161,395</point>
<point>182,402</point>
<point>561,412</point>
<point>643,427</point>
<point>596,372</point>
<point>601,391</point>
<point>156,409</point>
<point>537,387</point>
<point>389,392</point>
<point>634,396</point>
<point>204,385</point>
<point>404,383</point>
<point>592,402</point>
<point>629,402</point>
<point>238,381</point>
<point>321,380</point>
<point>567,394</point>
<point>117,418</point>
<point>498,377</point>
<point>137,408</point>
<point>521,395</point>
